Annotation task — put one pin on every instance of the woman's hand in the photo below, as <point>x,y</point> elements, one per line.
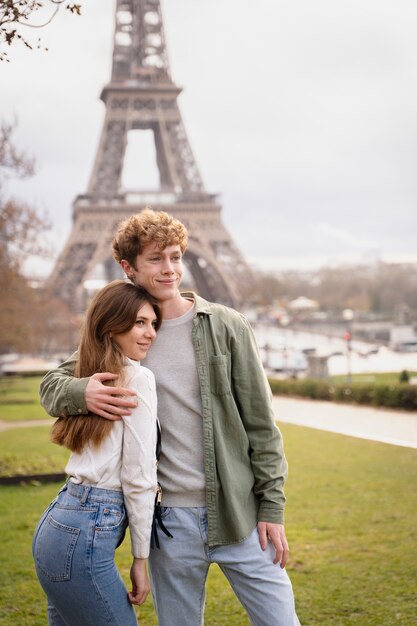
<point>140,582</point>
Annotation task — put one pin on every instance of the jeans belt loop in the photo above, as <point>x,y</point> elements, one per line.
<point>85,495</point>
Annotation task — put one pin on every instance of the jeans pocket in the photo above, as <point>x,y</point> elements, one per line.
<point>164,510</point>
<point>110,516</point>
<point>54,547</point>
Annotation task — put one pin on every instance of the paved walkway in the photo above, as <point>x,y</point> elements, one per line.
<point>395,427</point>
<point>25,424</point>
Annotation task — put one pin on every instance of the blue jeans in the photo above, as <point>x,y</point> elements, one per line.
<point>73,548</point>
<point>179,570</point>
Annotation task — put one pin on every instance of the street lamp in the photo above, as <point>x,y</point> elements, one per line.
<point>348,316</point>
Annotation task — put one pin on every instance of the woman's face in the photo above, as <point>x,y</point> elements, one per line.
<point>136,342</point>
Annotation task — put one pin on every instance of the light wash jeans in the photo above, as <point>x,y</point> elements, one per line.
<point>179,571</point>
<point>73,548</point>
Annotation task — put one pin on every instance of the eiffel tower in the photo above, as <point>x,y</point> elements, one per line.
<point>142,95</point>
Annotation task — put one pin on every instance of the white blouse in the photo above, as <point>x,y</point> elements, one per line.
<point>126,459</point>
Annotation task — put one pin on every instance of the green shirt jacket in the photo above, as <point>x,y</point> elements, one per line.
<point>245,466</point>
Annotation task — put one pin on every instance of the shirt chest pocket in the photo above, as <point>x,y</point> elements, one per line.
<point>220,374</point>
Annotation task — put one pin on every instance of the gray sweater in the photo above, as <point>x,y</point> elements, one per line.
<point>181,465</point>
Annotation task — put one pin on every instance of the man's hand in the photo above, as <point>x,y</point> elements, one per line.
<point>108,402</point>
<point>276,535</point>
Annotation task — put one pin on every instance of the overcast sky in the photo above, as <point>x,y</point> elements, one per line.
<point>301,114</point>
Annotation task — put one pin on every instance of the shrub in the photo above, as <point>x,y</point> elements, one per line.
<point>395,395</point>
<point>404,377</point>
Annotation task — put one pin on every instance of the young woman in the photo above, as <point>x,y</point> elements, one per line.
<point>112,466</point>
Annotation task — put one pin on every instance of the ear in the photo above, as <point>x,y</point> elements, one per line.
<point>127,268</point>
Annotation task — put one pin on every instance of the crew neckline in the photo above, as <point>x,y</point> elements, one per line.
<point>185,317</point>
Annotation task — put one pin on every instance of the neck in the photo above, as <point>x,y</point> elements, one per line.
<point>175,307</point>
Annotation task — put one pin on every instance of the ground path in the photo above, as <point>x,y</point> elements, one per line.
<point>388,426</point>
<point>25,424</point>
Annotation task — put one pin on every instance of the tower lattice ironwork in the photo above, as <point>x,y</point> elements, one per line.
<point>142,95</point>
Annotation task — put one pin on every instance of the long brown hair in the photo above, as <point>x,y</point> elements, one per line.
<point>113,310</point>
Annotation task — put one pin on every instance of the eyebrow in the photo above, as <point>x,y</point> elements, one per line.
<point>158,252</point>
<point>144,318</point>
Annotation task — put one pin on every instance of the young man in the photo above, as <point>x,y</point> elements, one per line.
<point>222,466</point>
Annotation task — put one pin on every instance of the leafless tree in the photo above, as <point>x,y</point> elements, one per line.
<point>17,15</point>
<point>30,319</point>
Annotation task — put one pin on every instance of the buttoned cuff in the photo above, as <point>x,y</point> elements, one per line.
<point>75,395</point>
<point>273,514</point>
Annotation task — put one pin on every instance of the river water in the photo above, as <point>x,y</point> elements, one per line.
<point>282,348</point>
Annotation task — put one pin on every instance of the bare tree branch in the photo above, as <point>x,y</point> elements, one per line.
<point>15,14</point>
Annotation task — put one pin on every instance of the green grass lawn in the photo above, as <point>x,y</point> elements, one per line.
<point>19,399</point>
<point>29,451</point>
<point>351,523</point>
<point>384,378</point>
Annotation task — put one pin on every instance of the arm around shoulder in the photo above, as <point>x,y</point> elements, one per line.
<point>62,394</point>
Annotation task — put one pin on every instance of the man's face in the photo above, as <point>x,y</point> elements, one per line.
<point>158,271</point>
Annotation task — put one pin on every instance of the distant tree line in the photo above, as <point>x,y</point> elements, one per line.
<point>382,288</point>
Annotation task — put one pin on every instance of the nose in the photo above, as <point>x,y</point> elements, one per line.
<point>151,332</point>
<point>167,267</point>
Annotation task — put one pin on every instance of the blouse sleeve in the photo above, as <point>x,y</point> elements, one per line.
<point>138,471</point>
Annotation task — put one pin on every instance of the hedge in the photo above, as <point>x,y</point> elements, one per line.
<point>398,396</point>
